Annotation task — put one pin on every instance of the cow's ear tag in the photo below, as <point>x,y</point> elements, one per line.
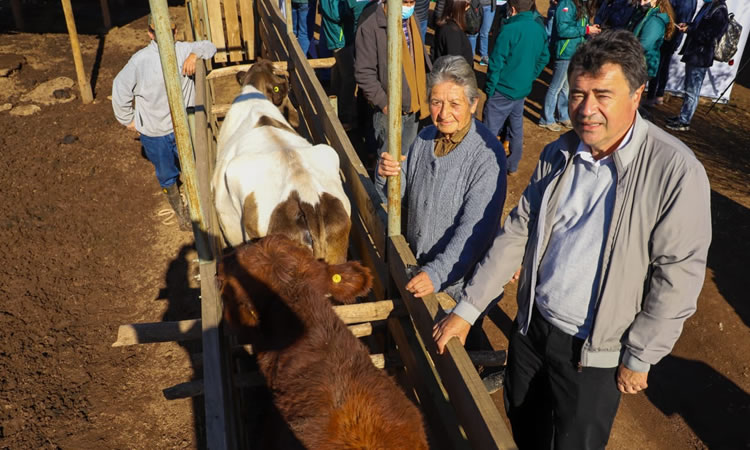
<point>276,89</point>
<point>336,278</point>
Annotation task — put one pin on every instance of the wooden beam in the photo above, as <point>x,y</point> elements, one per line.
<point>433,400</point>
<point>216,25</point>
<point>149,333</point>
<point>476,411</point>
<point>83,82</point>
<point>234,44</point>
<point>281,66</point>
<point>368,312</point>
<point>247,19</point>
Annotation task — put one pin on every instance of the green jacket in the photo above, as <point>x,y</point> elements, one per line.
<point>569,32</point>
<point>650,32</point>
<point>519,56</point>
<point>339,21</point>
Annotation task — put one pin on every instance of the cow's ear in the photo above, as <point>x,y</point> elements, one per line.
<point>241,77</point>
<point>348,281</point>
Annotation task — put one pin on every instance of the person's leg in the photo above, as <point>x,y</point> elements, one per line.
<point>562,97</point>
<point>380,133</point>
<point>528,402</point>
<point>473,42</point>
<point>585,400</point>
<point>409,127</point>
<point>344,84</point>
<point>496,110</point>
<point>515,134</point>
<point>550,22</point>
<point>693,83</point>
<point>301,28</point>
<point>484,31</point>
<point>161,151</point>
<point>559,79</point>
<point>423,30</point>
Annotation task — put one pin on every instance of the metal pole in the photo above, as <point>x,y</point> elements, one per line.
<point>83,82</point>
<point>165,40</point>
<point>394,112</point>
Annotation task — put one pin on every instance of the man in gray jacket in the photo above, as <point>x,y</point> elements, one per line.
<point>139,101</point>
<point>612,235</point>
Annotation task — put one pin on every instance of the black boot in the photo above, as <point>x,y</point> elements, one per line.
<point>173,195</point>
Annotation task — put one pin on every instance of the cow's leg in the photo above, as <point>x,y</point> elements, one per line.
<point>250,217</point>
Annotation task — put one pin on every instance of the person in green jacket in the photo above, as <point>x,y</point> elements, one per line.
<point>339,23</point>
<point>572,23</point>
<point>652,25</point>
<point>519,56</point>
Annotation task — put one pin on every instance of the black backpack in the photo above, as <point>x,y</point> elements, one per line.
<point>473,17</point>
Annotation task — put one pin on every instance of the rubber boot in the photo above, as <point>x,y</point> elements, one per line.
<point>173,195</point>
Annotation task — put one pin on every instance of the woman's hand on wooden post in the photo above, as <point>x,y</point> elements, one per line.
<point>387,167</point>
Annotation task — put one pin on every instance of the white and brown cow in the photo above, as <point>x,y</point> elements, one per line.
<point>270,180</point>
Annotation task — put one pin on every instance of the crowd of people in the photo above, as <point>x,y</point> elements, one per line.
<point>608,242</point>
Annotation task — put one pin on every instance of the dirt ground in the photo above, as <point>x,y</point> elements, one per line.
<point>84,248</point>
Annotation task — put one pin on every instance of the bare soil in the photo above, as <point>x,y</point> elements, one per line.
<point>84,249</point>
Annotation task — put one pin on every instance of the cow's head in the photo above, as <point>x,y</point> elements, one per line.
<point>262,281</point>
<point>262,76</point>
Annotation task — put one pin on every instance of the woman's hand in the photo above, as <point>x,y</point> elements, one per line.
<point>387,167</point>
<point>420,285</point>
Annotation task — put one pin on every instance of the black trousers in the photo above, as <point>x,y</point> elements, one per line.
<point>550,403</point>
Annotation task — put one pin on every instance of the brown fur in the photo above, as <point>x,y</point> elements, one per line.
<point>327,392</point>
<point>323,227</point>
<point>275,87</point>
<point>250,216</point>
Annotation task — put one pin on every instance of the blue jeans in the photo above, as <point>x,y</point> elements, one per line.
<point>484,31</point>
<point>162,152</point>
<point>299,25</point>
<point>423,29</point>
<point>496,110</point>
<point>693,82</point>
<point>557,94</point>
<point>473,42</point>
<point>409,124</point>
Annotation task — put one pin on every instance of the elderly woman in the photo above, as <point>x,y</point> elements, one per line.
<point>454,182</point>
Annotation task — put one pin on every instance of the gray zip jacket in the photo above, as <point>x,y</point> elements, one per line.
<point>654,259</point>
<point>141,82</point>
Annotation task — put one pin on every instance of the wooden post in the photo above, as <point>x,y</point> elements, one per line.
<point>165,40</point>
<point>83,82</point>
<point>17,8</point>
<point>394,112</point>
<point>288,10</point>
<point>105,14</point>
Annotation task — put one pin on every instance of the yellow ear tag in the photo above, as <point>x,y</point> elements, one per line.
<point>336,278</point>
<point>276,89</point>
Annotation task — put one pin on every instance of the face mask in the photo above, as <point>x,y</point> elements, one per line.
<point>706,1</point>
<point>406,12</point>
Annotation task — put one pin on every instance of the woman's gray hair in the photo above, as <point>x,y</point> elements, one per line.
<point>454,69</point>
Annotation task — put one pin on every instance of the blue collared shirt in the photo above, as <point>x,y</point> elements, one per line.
<point>570,270</point>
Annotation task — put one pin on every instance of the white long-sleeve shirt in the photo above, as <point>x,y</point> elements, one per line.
<point>139,92</point>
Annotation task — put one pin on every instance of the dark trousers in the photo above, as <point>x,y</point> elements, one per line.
<point>496,111</point>
<point>550,403</point>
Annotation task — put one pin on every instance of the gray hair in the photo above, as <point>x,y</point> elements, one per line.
<point>456,70</point>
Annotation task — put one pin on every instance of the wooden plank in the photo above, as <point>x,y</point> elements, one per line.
<point>475,409</point>
<point>436,408</point>
<point>195,388</point>
<point>360,240</point>
<point>216,26</point>
<point>150,333</point>
<point>364,193</point>
<point>316,63</point>
<point>234,44</point>
<point>307,111</point>
<point>369,311</point>
<point>247,21</point>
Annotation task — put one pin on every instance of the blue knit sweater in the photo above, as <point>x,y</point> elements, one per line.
<point>454,203</point>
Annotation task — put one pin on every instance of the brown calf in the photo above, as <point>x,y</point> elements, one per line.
<point>275,87</point>
<point>325,388</point>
